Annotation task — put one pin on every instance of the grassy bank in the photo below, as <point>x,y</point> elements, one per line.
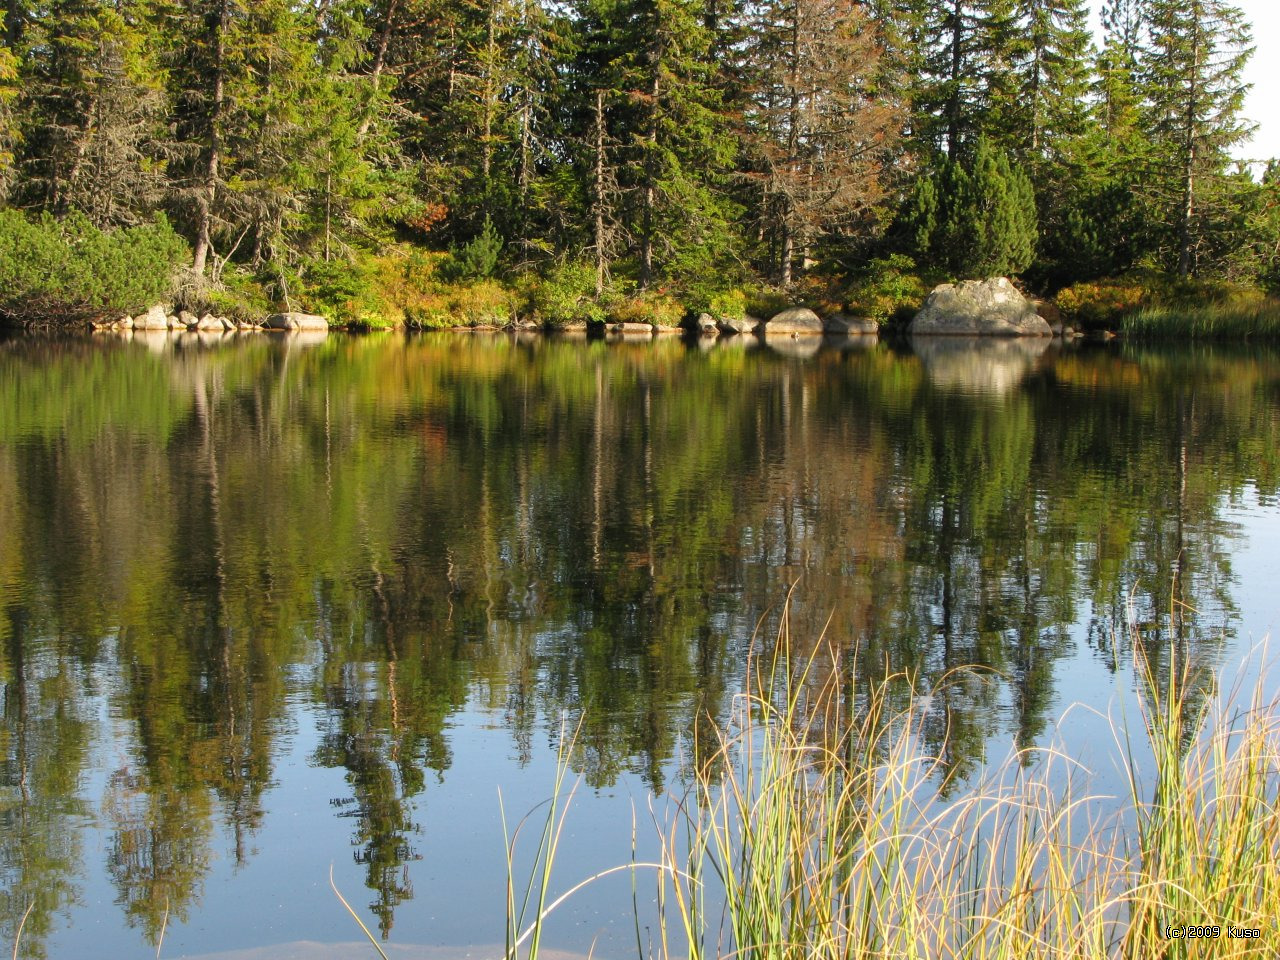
<point>1149,305</point>
<point>809,833</point>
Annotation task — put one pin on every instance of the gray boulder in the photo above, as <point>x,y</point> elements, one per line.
<point>153,319</point>
<point>744,324</point>
<point>295,321</point>
<point>706,325</point>
<point>209,322</point>
<point>841,323</point>
<point>979,308</point>
<point>794,320</point>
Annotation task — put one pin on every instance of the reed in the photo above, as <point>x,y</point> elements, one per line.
<point>827,836</point>
<point>1216,321</point>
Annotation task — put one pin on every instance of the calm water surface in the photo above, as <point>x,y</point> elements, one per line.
<point>268,605</point>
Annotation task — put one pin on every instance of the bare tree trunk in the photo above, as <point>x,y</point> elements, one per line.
<point>1187,212</point>
<point>379,61</point>
<point>598,198</point>
<point>650,175</point>
<point>953,102</point>
<point>208,192</point>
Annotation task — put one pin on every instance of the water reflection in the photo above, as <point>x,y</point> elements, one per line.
<point>197,537</point>
<point>979,364</point>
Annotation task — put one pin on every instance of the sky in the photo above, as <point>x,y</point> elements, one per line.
<point>1263,103</point>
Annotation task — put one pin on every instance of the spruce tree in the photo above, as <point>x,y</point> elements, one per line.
<point>8,126</point>
<point>1194,91</point>
<point>92,112</point>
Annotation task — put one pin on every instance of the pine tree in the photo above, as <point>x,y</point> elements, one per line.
<point>674,148</point>
<point>1193,66</point>
<point>92,113</point>
<point>976,217</point>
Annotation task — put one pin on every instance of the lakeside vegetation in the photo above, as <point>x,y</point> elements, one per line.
<point>819,827</point>
<point>429,163</point>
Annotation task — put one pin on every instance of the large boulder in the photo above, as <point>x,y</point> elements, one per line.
<point>842,323</point>
<point>154,319</point>
<point>295,321</point>
<point>979,308</point>
<point>743,324</point>
<point>793,320</point>
<point>706,325</point>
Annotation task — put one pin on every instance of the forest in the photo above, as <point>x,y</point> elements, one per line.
<point>436,162</point>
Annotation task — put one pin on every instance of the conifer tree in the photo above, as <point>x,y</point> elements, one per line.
<point>976,217</point>
<point>1194,90</point>
<point>92,112</point>
<point>8,126</point>
<point>821,135</point>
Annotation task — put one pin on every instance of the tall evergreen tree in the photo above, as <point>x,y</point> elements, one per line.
<point>8,125</point>
<point>1193,71</point>
<point>93,112</point>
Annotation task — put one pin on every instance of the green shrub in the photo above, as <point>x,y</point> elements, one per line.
<point>765,301</point>
<point>730,305</point>
<point>63,271</point>
<point>477,259</point>
<point>566,294</point>
<point>888,290</point>
<point>657,310</point>
<point>1103,303</point>
<point>341,290</point>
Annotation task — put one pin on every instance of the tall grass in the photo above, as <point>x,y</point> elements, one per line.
<point>827,836</point>
<point>1215,321</point>
<point>814,832</point>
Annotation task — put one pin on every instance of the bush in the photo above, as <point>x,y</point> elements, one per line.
<point>1107,303</point>
<point>565,295</point>
<point>1102,303</point>
<point>476,259</point>
<point>889,290</point>
<point>658,310</point>
<point>765,301</point>
<point>730,305</point>
<point>64,271</point>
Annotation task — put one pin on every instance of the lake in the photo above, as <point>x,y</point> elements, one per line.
<point>272,604</point>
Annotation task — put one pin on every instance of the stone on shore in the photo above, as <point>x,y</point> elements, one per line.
<point>799,320</point>
<point>842,323</point>
<point>979,308</point>
<point>744,324</point>
<point>154,319</point>
<point>295,321</point>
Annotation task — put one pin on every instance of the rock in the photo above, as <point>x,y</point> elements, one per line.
<point>153,319</point>
<point>245,325</point>
<point>732,325</point>
<point>794,320</point>
<point>632,328</point>
<point>707,325</point>
<point>841,323</point>
<point>979,308</point>
<point>296,321</point>
<point>226,324</point>
<point>209,323</point>
<point>187,318</point>
<point>124,323</point>
<point>173,323</point>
